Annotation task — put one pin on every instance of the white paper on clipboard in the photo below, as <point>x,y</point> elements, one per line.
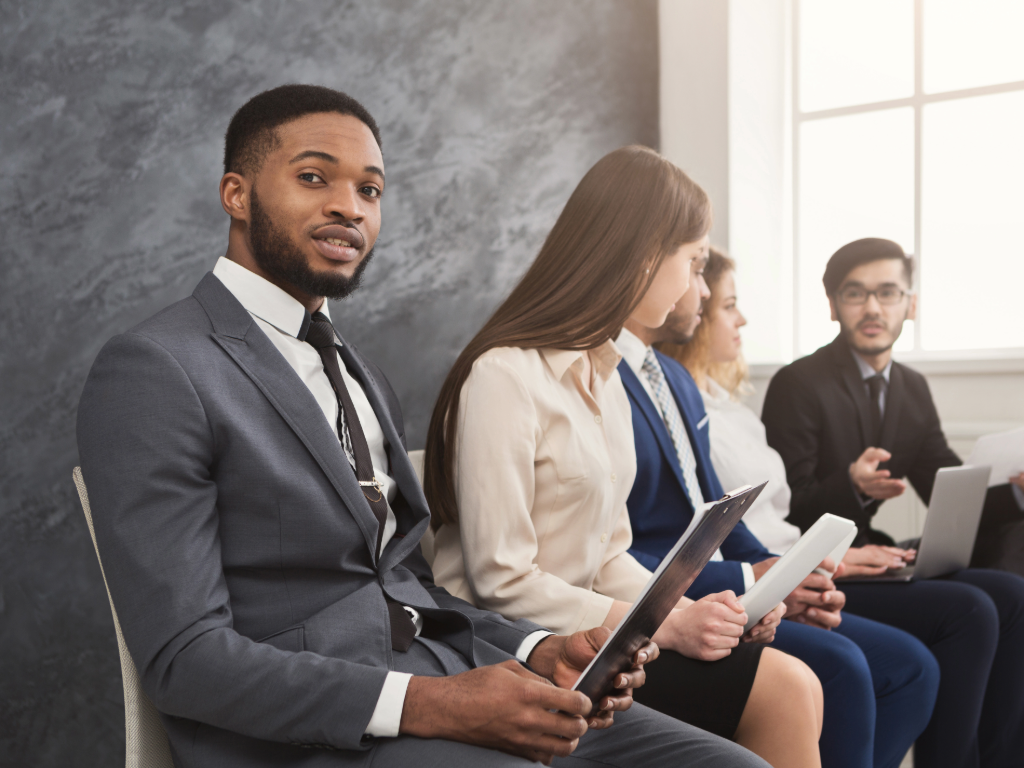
<point>823,538</point>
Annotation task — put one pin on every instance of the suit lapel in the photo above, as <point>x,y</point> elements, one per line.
<point>650,411</point>
<point>401,467</point>
<point>256,355</point>
<point>854,383</point>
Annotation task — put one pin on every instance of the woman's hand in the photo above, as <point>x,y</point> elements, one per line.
<point>874,559</point>
<point>707,630</point>
<point>764,630</point>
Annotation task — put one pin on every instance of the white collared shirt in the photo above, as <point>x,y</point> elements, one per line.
<point>634,352</point>
<point>280,317</point>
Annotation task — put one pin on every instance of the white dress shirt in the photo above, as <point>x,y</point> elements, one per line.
<point>740,452</point>
<point>634,351</point>
<point>281,317</point>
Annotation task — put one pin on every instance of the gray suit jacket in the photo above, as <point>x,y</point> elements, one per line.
<point>239,548</point>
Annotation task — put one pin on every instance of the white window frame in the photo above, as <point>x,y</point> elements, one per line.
<point>944,360</point>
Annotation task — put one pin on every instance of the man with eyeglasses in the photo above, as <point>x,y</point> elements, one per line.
<point>853,427</point>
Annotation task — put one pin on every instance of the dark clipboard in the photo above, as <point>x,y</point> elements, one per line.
<point>668,583</point>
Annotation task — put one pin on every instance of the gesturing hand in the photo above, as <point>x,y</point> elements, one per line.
<point>503,706</point>
<point>1018,480</point>
<point>707,630</point>
<point>874,559</point>
<point>872,481</point>
<point>563,659</point>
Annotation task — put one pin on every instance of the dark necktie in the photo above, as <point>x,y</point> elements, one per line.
<point>875,385</point>
<point>321,337</point>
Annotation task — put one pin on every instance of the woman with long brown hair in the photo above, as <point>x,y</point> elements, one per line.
<point>530,457</point>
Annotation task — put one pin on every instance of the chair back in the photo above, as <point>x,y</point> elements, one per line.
<point>145,738</point>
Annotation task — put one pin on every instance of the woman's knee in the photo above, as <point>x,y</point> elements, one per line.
<point>782,678</point>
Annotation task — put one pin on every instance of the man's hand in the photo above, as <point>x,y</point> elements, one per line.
<point>707,630</point>
<point>503,706</point>
<point>816,601</point>
<point>873,559</point>
<point>764,630</point>
<point>563,659</point>
<point>1018,480</point>
<point>872,481</point>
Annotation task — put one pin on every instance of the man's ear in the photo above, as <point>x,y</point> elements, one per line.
<point>912,309</point>
<point>234,196</point>
<point>832,306</point>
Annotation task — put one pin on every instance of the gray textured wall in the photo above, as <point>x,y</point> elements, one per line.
<point>110,141</point>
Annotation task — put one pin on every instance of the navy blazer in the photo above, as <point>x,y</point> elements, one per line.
<point>659,508</point>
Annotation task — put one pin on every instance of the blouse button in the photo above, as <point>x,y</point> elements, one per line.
<point>597,418</point>
<point>604,537</point>
<point>614,477</point>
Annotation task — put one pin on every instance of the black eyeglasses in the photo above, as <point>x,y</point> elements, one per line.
<point>887,295</point>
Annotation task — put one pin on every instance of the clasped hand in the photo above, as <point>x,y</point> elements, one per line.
<point>815,601</point>
<point>509,708</point>
<point>711,627</point>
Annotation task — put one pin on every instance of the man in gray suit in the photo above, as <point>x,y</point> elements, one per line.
<point>259,518</point>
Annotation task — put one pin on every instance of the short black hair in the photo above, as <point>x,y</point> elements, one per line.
<point>859,252</point>
<point>251,134</point>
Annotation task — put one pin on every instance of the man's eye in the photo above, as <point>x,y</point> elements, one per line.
<point>370,191</point>
<point>312,178</point>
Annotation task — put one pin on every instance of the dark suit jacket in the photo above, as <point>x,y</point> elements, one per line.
<point>239,549</point>
<point>817,416</point>
<point>659,508</point>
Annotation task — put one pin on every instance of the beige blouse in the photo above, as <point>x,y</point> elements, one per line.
<point>543,468</point>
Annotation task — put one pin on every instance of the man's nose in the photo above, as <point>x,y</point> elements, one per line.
<point>872,305</point>
<point>345,204</point>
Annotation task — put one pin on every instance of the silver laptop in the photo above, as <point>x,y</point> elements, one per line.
<point>950,527</point>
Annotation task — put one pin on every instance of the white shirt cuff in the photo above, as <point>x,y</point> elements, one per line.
<point>387,715</point>
<point>530,642</point>
<point>748,576</point>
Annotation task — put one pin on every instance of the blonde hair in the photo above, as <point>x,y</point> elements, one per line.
<point>733,376</point>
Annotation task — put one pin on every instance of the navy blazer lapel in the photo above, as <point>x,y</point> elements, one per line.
<point>401,467</point>
<point>854,383</point>
<point>690,420</point>
<point>650,411</point>
<point>239,336</point>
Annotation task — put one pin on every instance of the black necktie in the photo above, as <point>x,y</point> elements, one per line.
<point>321,336</point>
<point>875,385</point>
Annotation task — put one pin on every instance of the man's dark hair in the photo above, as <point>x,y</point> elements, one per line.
<point>252,132</point>
<point>864,251</point>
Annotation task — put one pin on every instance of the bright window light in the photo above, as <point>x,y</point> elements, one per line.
<point>856,180</point>
<point>972,206</point>
<point>855,52</point>
<point>967,45</point>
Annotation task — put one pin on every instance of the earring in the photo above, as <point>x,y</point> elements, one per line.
<point>647,271</point>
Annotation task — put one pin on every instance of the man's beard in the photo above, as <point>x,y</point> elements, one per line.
<point>278,256</point>
<point>678,330</point>
<point>879,348</point>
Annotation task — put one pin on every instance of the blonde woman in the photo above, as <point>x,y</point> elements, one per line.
<point>530,457</point>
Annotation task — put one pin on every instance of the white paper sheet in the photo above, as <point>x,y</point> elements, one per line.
<point>1004,451</point>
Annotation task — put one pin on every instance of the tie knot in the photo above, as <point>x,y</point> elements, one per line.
<point>321,332</point>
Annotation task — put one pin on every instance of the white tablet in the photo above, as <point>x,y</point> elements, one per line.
<point>823,538</point>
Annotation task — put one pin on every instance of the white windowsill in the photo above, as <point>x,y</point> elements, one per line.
<point>970,362</point>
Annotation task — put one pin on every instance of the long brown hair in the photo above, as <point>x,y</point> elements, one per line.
<point>696,354</point>
<point>630,211</point>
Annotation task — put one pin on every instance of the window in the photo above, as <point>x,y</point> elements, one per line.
<point>907,123</point>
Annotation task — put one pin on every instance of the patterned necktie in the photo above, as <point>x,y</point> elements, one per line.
<point>321,337</point>
<point>676,429</point>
